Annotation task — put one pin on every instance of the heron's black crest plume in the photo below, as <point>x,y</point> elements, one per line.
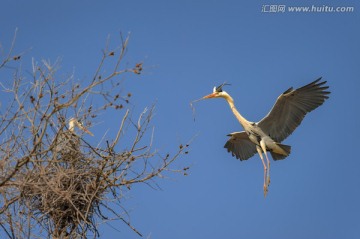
<point>219,88</point>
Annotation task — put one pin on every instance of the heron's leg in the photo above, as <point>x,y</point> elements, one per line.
<point>263,147</point>
<point>265,169</point>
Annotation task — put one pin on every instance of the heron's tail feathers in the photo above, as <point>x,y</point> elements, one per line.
<point>282,153</point>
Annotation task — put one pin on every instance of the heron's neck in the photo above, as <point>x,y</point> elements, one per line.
<point>241,119</point>
<point>71,126</point>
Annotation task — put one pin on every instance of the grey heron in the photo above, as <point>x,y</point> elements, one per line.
<point>74,122</point>
<point>266,135</point>
<point>68,142</point>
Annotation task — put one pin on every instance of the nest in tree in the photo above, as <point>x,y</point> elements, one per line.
<point>66,190</point>
<point>67,196</point>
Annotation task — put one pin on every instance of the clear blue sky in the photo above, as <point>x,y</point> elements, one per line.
<point>188,47</point>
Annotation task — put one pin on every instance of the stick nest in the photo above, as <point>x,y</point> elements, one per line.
<point>66,191</point>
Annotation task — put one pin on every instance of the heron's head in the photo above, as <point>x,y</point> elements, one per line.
<point>74,122</point>
<point>218,92</point>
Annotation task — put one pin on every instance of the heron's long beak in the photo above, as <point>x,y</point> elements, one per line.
<point>212,95</point>
<point>87,131</point>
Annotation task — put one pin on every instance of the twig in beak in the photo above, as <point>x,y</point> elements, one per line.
<point>193,108</point>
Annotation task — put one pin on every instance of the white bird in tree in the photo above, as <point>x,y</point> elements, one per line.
<point>68,142</point>
<point>74,122</point>
<point>267,134</point>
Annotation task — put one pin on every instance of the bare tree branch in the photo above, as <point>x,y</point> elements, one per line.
<point>54,183</point>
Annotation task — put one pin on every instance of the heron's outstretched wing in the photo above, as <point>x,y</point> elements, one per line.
<point>291,107</point>
<point>240,145</point>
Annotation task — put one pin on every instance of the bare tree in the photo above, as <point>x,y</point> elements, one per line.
<point>55,184</point>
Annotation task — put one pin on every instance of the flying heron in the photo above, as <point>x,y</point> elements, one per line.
<point>267,134</point>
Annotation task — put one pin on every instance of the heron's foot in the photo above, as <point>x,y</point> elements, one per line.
<point>268,180</point>
<point>265,190</point>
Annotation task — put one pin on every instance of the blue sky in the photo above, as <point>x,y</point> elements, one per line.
<point>187,48</point>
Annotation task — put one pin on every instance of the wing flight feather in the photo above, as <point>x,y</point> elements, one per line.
<point>240,145</point>
<point>291,107</point>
